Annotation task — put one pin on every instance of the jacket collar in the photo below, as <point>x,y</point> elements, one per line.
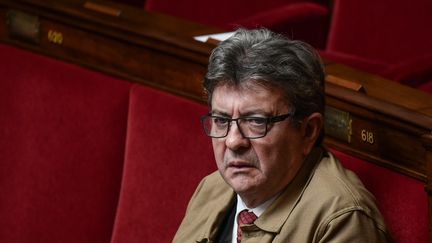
<point>277,214</point>
<point>218,210</point>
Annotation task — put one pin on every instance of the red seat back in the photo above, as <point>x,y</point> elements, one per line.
<point>62,134</point>
<point>388,31</point>
<point>214,13</point>
<point>388,38</point>
<point>402,200</point>
<point>305,20</point>
<point>427,87</point>
<point>167,154</point>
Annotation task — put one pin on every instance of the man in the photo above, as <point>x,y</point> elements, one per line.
<point>275,182</point>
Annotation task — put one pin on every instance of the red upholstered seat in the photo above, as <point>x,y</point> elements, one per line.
<point>62,135</point>
<point>167,155</point>
<point>387,37</point>
<point>427,87</point>
<point>299,19</point>
<point>402,200</point>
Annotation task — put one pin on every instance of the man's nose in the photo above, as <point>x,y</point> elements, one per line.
<point>235,139</point>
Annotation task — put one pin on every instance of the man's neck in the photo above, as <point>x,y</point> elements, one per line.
<point>258,210</point>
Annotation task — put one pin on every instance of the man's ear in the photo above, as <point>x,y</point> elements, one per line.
<point>311,128</point>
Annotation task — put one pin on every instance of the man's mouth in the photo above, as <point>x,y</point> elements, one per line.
<point>240,165</point>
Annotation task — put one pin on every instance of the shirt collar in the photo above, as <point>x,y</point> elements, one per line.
<point>257,210</point>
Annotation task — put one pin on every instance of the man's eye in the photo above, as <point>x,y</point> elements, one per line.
<point>220,121</point>
<point>256,121</point>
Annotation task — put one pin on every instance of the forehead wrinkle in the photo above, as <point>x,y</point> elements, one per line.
<point>247,100</point>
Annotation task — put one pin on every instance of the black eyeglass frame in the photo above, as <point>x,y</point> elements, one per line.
<point>267,120</point>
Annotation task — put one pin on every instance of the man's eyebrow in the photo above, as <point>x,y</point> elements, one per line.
<point>256,112</point>
<point>219,113</point>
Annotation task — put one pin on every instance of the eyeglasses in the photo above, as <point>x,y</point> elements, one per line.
<point>249,127</point>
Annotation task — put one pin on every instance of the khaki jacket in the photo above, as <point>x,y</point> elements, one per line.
<point>324,203</point>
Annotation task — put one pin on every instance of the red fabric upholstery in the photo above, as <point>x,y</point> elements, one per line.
<point>167,155</point>
<point>62,135</point>
<point>372,66</point>
<point>300,19</point>
<point>386,31</point>
<point>427,87</point>
<point>414,72</point>
<point>402,200</point>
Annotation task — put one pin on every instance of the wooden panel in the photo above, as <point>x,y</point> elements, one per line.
<point>3,29</point>
<point>136,62</point>
<point>385,90</point>
<point>389,142</point>
<point>159,56</point>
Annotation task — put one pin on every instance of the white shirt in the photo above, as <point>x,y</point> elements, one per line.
<point>257,211</point>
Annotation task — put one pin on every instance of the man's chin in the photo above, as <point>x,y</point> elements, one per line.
<point>240,183</point>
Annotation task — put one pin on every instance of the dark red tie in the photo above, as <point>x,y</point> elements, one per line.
<point>244,217</point>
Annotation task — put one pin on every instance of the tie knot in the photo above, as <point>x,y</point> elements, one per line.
<point>246,217</point>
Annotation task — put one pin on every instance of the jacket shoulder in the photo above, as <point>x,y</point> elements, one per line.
<point>208,206</point>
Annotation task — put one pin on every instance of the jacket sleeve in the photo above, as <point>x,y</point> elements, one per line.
<point>352,226</point>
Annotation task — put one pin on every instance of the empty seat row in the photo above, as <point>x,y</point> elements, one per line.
<point>62,139</point>
<point>89,158</point>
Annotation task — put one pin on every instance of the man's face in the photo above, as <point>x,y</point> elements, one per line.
<point>256,169</point>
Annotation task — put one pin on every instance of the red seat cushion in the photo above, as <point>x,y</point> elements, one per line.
<point>219,13</point>
<point>402,200</point>
<point>62,136</point>
<point>368,65</point>
<point>427,87</point>
<point>298,19</point>
<point>394,33</point>
<point>301,21</point>
<point>167,154</point>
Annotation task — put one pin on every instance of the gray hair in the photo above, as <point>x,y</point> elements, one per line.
<point>271,60</point>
